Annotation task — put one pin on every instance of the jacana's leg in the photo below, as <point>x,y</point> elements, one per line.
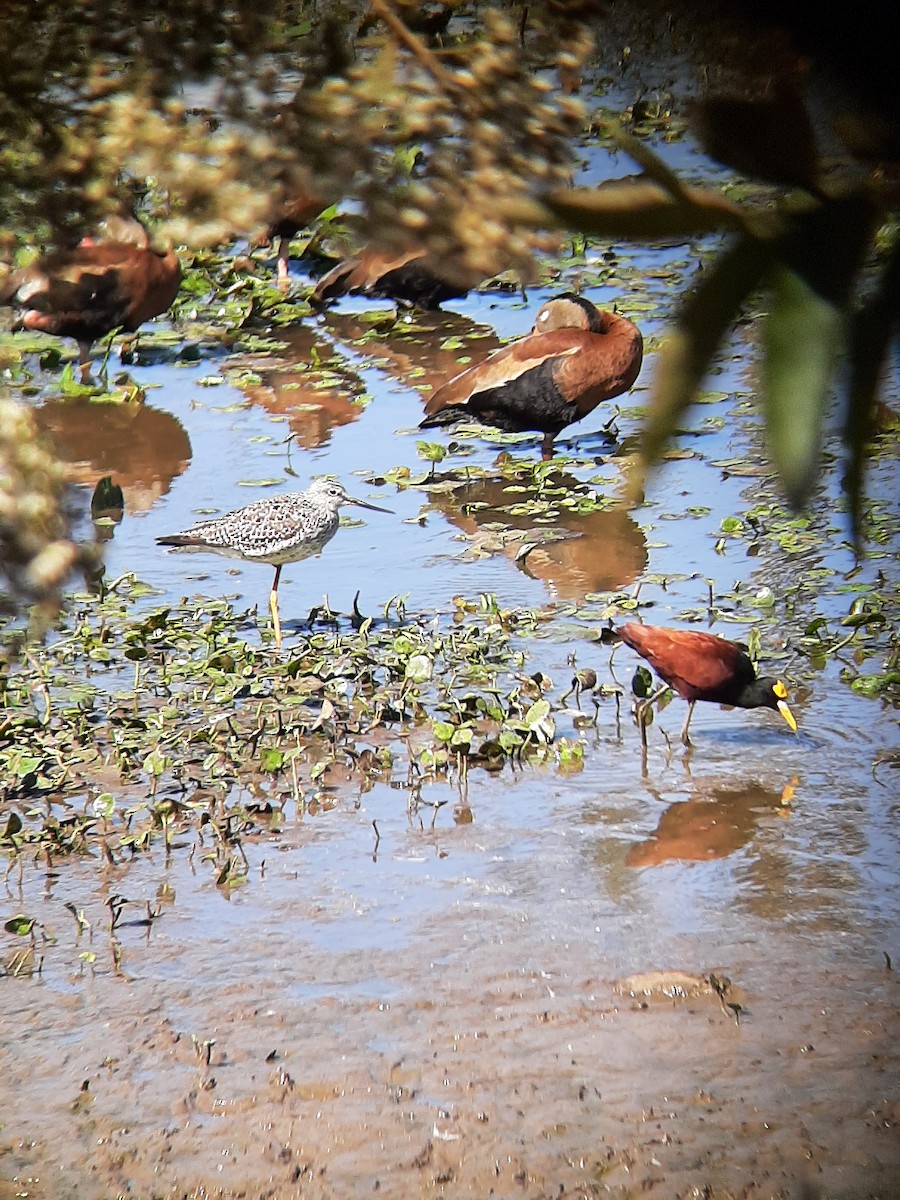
<point>687,720</point>
<point>273,605</point>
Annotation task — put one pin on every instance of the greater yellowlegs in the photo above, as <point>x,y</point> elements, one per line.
<point>276,530</point>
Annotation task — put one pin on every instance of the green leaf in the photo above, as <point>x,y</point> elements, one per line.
<point>538,712</point>
<point>431,451</point>
<point>509,740</point>
<point>870,337</point>
<point>825,243</point>
<point>155,763</point>
<point>462,737</point>
<point>105,805</point>
<point>643,210</point>
<point>771,138</point>
<point>25,764</point>
<point>802,335</point>
<point>875,685</point>
<point>443,730</point>
<point>685,355</point>
<point>107,495</point>
<point>69,385</point>
<point>271,759</point>
<point>12,827</point>
<point>419,668</point>
<point>642,683</point>
<point>539,721</point>
<point>19,925</point>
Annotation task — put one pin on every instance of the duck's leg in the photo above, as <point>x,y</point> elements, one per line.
<point>547,446</point>
<point>283,251</point>
<point>273,605</point>
<point>84,361</point>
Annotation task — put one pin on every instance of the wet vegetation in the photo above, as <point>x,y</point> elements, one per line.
<point>160,756</point>
<point>139,726</point>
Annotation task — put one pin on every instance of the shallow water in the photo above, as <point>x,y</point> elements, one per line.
<point>419,991</point>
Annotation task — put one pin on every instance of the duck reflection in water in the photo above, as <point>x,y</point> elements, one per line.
<point>426,349</point>
<point>141,448</point>
<point>573,553</point>
<point>294,385</point>
<point>717,821</point>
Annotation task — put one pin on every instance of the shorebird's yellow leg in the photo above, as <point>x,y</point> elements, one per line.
<point>273,605</point>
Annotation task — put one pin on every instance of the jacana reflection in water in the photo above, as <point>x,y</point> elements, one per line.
<point>713,824</point>
<point>291,384</point>
<point>600,551</point>
<point>142,448</point>
<point>576,357</point>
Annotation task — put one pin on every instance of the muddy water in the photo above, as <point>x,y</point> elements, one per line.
<point>498,986</point>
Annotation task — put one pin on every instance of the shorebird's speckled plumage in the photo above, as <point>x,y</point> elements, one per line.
<point>275,530</point>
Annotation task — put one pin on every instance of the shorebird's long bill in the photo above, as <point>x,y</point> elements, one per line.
<point>366,504</point>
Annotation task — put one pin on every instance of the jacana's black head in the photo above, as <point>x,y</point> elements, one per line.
<point>768,693</point>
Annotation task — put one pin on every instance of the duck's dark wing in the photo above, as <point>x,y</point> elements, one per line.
<point>504,366</point>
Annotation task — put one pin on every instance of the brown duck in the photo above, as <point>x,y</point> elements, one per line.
<point>575,357</point>
<point>405,276</point>
<point>85,293</point>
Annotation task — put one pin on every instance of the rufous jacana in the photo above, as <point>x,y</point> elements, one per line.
<point>701,666</point>
<point>575,357</point>
<point>408,277</point>
<point>99,286</point>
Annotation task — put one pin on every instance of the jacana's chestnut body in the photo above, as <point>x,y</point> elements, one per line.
<point>405,276</point>
<point>100,286</point>
<point>576,357</point>
<point>701,666</point>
